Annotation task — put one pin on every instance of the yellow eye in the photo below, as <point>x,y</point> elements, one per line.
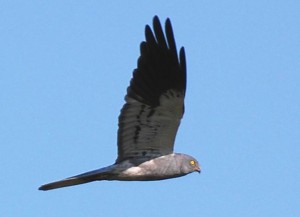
<point>192,162</point>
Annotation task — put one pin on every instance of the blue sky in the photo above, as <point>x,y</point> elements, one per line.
<point>64,70</point>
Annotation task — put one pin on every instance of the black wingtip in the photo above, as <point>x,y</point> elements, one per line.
<point>182,63</point>
<point>155,19</point>
<point>168,22</point>
<point>159,68</point>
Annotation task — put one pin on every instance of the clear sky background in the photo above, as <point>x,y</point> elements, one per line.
<point>64,70</point>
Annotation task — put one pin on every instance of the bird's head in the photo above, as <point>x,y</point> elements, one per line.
<point>189,164</point>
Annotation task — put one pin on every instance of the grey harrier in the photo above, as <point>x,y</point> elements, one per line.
<point>150,118</point>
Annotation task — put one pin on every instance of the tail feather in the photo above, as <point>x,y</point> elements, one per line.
<point>77,180</point>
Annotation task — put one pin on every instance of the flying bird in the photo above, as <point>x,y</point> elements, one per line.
<point>150,117</point>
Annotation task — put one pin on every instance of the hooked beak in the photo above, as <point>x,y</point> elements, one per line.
<point>198,169</point>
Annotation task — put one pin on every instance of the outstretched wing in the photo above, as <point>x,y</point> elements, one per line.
<point>154,106</point>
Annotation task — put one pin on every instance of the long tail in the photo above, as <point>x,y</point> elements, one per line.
<point>101,174</point>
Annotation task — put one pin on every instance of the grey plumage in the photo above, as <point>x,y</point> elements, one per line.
<point>150,118</point>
